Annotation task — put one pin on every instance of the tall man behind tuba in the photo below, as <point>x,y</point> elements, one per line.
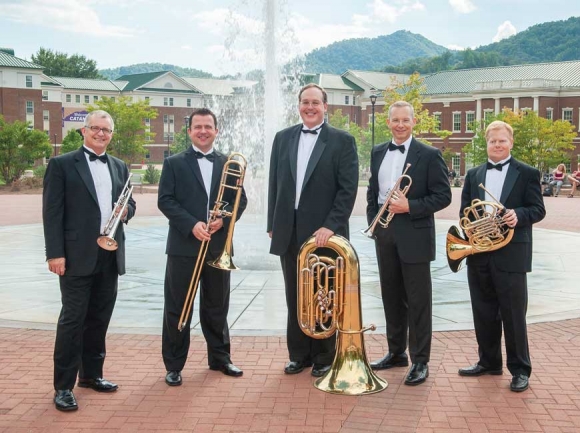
<point>497,279</point>
<point>188,189</point>
<point>407,246</point>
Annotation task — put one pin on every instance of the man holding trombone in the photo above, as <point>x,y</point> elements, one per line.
<point>190,184</point>
<point>77,208</point>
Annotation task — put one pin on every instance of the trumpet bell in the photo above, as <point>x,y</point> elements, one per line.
<point>368,233</point>
<point>224,262</point>
<point>107,243</point>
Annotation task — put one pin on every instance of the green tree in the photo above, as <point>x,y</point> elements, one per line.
<point>362,137</point>
<point>181,142</point>
<point>19,147</point>
<point>72,141</point>
<point>130,134</point>
<point>59,64</point>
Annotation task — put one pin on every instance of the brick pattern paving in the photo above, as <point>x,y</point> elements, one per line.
<point>267,400</point>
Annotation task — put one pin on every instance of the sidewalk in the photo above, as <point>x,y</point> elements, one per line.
<point>265,399</point>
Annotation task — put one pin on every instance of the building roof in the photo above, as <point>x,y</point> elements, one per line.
<point>333,81</point>
<point>211,86</point>
<point>135,81</point>
<point>564,74</point>
<point>87,84</point>
<point>377,80</point>
<point>10,61</point>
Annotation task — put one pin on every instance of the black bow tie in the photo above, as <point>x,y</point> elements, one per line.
<point>393,146</point>
<point>92,157</point>
<point>311,131</point>
<point>491,166</point>
<point>210,156</point>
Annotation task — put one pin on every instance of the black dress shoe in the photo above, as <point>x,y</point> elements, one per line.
<point>479,370</point>
<point>173,378</point>
<point>417,374</point>
<point>294,367</point>
<point>390,360</point>
<point>519,383</point>
<point>65,400</point>
<point>99,384</point>
<point>227,369</point>
<point>319,370</point>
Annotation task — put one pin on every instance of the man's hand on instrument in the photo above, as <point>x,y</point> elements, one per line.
<point>510,218</point>
<point>217,224</point>
<point>322,235</point>
<point>398,204</point>
<point>200,231</point>
<point>57,266</point>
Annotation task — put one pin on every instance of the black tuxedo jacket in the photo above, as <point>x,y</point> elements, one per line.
<point>522,192</point>
<point>71,214</point>
<point>429,192</point>
<point>328,191</point>
<point>184,201</point>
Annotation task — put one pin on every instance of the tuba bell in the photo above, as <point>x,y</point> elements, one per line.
<point>483,225</point>
<point>329,302</point>
<point>232,177</point>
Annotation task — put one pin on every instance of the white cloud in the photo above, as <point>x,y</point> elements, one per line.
<point>65,15</point>
<point>215,20</point>
<point>455,47</point>
<point>186,47</point>
<point>505,30</point>
<point>383,11</point>
<point>462,6</point>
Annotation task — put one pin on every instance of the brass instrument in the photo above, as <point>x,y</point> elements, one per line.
<point>384,222</point>
<point>107,240</point>
<point>486,232</point>
<point>234,169</point>
<point>328,302</point>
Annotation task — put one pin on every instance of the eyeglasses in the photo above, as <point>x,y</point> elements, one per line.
<point>96,130</point>
<point>310,103</point>
<point>405,122</point>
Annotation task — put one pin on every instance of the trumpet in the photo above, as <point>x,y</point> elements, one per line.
<point>107,240</point>
<point>384,222</point>
<point>234,170</point>
<point>484,228</point>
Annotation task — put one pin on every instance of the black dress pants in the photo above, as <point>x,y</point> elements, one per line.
<point>406,290</point>
<point>87,306</point>
<point>301,347</point>
<point>214,303</point>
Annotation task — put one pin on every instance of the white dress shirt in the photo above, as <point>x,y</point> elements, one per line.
<point>103,185</point>
<point>305,147</point>
<point>494,180</point>
<point>391,169</point>
<point>206,168</point>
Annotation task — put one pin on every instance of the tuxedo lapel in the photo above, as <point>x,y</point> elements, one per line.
<point>216,175</point>
<point>192,162</point>
<point>413,157</point>
<point>294,140</point>
<point>510,180</point>
<point>82,166</point>
<point>319,147</point>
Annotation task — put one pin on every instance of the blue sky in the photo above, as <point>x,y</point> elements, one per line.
<point>225,36</point>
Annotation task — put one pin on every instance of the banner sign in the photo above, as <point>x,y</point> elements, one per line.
<point>77,116</point>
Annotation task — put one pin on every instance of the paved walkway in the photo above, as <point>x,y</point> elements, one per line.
<point>264,399</point>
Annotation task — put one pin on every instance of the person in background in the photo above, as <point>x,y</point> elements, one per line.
<point>559,175</point>
<point>574,179</point>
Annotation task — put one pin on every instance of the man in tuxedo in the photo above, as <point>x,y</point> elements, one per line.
<point>78,195</point>
<point>497,279</point>
<point>407,246</point>
<point>312,190</point>
<point>188,189</point>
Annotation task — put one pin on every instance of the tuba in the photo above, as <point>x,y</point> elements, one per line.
<point>232,178</point>
<point>384,221</point>
<point>329,302</point>
<point>483,225</point>
<point>107,240</point>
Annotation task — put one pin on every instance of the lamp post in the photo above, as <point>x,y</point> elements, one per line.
<point>373,99</point>
<point>54,144</point>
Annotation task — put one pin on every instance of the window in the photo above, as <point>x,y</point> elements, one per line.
<point>29,81</point>
<point>95,98</point>
<point>78,99</point>
<point>469,119</point>
<point>29,107</point>
<point>437,117</point>
<point>147,121</point>
<point>45,115</point>
<point>171,102</point>
<point>87,99</point>
<point>456,164</point>
<point>456,122</point>
<point>147,98</point>
<point>45,95</point>
<point>68,98</point>
<point>189,102</point>
<point>346,100</point>
<point>168,136</point>
<point>370,119</point>
<point>353,100</point>
<point>487,114</point>
<point>168,118</point>
<point>567,114</point>
<point>168,102</point>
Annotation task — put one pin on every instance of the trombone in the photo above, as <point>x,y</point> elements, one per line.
<point>384,221</point>
<point>107,240</point>
<point>234,170</point>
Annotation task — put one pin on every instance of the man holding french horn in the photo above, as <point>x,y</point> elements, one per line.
<point>408,184</point>
<point>191,182</point>
<point>77,210</point>
<point>497,277</point>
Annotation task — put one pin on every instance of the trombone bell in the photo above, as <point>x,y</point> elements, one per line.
<point>224,262</point>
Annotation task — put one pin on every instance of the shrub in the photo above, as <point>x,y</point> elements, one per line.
<point>151,175</point>
<point>39,171</point>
